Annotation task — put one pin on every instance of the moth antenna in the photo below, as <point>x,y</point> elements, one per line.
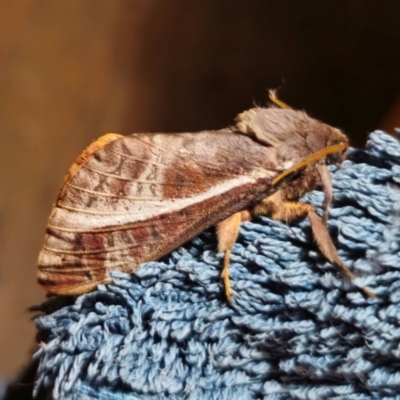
<point>272,96</point>
<point>308,160</point>
<point>326,187</point>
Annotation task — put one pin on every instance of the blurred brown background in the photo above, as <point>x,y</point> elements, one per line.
<point>72,70</point>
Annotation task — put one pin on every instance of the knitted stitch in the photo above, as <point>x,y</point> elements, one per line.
<point>295,329</point>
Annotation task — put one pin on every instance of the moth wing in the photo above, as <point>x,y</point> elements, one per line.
<point>133,199</point>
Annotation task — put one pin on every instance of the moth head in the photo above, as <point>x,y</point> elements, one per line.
<point>321,147</point>
<point>336,138</point>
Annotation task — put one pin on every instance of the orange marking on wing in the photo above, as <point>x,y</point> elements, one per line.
<point>92,148</point>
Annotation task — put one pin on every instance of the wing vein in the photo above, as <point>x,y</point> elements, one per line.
<point>124,178</point>
<point>103,194</point>
<point>122,227</point>
<point>91,212</point>
<point>97,251</point>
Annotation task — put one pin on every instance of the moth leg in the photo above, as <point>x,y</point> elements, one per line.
<point>327,188</point>
<point>227,233</point>
<point>328,249</point>
<point>279,208</point>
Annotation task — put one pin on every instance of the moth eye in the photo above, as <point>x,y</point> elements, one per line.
<point>335,158</point>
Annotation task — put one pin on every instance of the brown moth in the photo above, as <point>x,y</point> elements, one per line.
<point>132,199</point>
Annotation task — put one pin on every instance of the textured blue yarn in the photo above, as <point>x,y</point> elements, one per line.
<point>296,328</point>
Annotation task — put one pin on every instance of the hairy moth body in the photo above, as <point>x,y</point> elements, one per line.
<point>132,199</point>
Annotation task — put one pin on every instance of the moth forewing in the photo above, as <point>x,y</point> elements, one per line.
<point>132,199</point>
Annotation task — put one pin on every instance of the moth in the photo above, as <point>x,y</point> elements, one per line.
<point>131,199</point>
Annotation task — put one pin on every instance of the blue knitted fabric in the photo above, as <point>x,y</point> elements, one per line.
<point>296,328</point>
